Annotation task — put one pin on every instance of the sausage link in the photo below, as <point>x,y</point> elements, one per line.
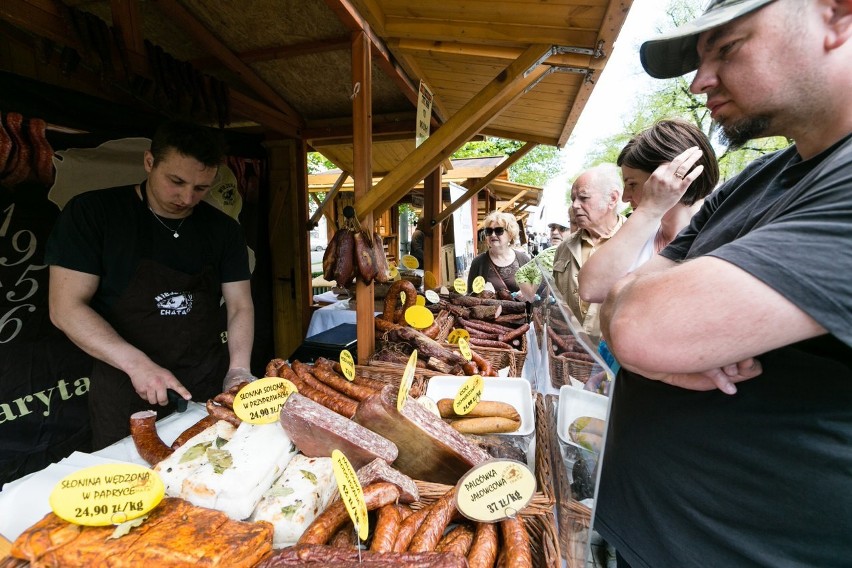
<point>325,373</point>
<point>483,549</point>
<point>323,394</point>
<point>273,368</point>
<point>387,527</point>
<point>436,522</point>
<point>222,413</point>
<point>410,525</point>
<point>392,299</point>
<point>329,522</point>
<point>344,538</point>
<point>143,430</point>
<point>225,399</point>
<point>515,334</point>
<point>193,431</point>
<point>457,540</point>
<point>18,168</point>
<point>485,368</point>
<point>516,543</point>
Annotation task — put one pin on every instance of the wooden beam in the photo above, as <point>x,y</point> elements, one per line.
<point>521,75</point>
<point>128,23</point>
<point>279,52</point>
<point>613,21</point>
<point>524,137</point>
<point>512,201</point>
<point>469,50</point>
<point>338,131</point>
<point>205,38</point>
<point>354,22</point>
<point>329,197</point>
<point>480,184</point>
<point>362,109</point>
<point>432,192</point>
<point>49,19</point>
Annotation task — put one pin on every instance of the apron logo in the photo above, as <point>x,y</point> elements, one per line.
<point>174,303</point>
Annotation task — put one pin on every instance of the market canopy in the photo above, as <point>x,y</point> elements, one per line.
<point>285,66</point>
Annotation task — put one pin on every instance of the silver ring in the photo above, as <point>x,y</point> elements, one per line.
<point>678,175</point>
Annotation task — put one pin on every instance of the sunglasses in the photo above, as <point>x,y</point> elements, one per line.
<point>495,231</point>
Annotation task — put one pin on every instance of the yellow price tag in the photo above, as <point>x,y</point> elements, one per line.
<point>429,280</point>
<point>464,347</point>
<point>410,262</point>
<point>478,284</point>
<point>407,379</point>
<point>107,494</point>
<point>260,401</point>
<point>495,490</point>
<point>457,334</point>
<point>432,296</point>
<point>393,273</point>
<point>419,317</point>
<point>469,395</point>
<point>350,492</point>
<point>347,365</point>
<point>460,285</point>
<point>419,300</point>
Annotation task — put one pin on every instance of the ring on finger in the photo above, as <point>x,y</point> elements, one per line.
<point>678,175</point>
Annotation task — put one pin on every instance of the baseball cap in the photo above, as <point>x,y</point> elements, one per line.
<point>675,53</point>
<point>556,219</point>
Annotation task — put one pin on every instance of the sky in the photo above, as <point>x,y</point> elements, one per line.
<point>613,98</point>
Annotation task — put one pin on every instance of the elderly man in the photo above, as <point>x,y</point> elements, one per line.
<point>595,198</point>
<point>731,427</point>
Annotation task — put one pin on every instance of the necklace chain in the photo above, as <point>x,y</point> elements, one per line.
<point>174,231</point>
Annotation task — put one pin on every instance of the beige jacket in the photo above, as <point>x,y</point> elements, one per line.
<point>566,273</point>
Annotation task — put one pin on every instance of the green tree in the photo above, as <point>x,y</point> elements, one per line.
<point>672,99</point>
<point>536,168</point>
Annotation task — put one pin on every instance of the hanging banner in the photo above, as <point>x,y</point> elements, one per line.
<point>424,114</point>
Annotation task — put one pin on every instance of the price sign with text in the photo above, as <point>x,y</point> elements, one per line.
<point>460,285</point>
<point>464,347</point>
<point>457,334</point>
<point>407,379</point>
<point>351,493</point>
<point>260,401</point>
<point>495,490</point>
<point>478,284</point>
<point>347,365</point>
<point>107,494</point>
<point>468,395</point>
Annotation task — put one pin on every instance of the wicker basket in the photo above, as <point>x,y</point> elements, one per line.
<point>561,367</point>
<point>544,440</point>
<point>499,358</point>
<point>573,517</point>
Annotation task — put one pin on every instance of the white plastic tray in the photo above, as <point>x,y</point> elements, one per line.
<point>574,403</point>
<point>511,390</point>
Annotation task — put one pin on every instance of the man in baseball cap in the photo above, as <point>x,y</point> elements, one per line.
<point>731,422</point>
<point>673,54</point>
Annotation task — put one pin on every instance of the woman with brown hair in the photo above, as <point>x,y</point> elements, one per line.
<point>668,170</point>
<point>500,262</point>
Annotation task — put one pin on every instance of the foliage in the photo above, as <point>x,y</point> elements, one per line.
<point>536,168</point>
<point>319,163</point>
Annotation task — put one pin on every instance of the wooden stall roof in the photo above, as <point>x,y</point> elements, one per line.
<point>287,63</point>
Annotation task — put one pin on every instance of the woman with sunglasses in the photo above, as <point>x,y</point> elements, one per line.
<point>500,262</point>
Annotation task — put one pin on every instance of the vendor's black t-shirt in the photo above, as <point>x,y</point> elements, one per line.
<point>764,477</point>
<point>98,233</point>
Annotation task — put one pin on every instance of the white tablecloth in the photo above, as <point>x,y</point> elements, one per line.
<point>331,316</point>
<point>25,501</point>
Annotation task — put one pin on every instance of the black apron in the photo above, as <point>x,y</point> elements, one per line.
<point>175,319</point>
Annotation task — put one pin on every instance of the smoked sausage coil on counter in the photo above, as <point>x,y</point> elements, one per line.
<point>273,368</point>
<point>458,540</point>
<point>193,431</point>
<point>330,521</point>
<point>143,430</point>
<point>392,299</point>
<point>18,166</point>
<point>322,393</point>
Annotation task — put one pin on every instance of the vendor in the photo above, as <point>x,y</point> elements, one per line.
<point>137,274</point>
<point>500,262</point>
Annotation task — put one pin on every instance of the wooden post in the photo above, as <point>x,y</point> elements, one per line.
<point>432,191</point>
<point>362,177</point>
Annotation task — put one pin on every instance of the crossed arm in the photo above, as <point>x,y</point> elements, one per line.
<point>699,324</point>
